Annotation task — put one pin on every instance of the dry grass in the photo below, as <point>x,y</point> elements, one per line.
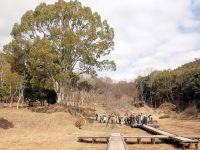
<point>164,117</point>
<point>189,113</point>
<point>180,127</point>
<point>56,131</point>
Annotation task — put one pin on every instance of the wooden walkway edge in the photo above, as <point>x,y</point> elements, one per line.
<point>153,138</point>
<point>116,142</point>
<point>183,141</point>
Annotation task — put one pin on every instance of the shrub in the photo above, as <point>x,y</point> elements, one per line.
<point>3,92</point>
<point>79,123</point>
<point>167,106</point>
<point>164,117</point>
<point>191,110</point>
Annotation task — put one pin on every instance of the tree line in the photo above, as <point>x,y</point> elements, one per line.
<point>180,86</point>
<point>88,90</point>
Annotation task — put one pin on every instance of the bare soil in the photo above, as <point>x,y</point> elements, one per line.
<point>26,130</point>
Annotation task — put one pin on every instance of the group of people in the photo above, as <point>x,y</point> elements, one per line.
<point>127,119</point>
<point>102,118</point>
<point>138,119</point>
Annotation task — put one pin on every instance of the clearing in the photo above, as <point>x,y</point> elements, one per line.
<point>26,130</point>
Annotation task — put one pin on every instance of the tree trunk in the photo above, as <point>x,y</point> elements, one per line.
<point>21,97</point>
<point>73,99</point>
<point>171,95</point>
<point>59,97</point>
<point>11,96</point>
<point>151,98</point>
<point>168,97</point>
<point>1,79</point>
<point>142,95</point>
<point>11,101</point>
<point>60,91</point>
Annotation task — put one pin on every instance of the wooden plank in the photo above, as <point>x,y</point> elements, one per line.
<point>89,137</point>
<point>147,136</point>
<point>181,140</point>
<point>191,136</point>
<point>157,131</point>
<point>116,142</point>
<point>184,140</point>
<point>139,138</point>
<point>94,139</point>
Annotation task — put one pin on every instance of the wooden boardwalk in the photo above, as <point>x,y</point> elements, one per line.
<point>116,142</point>
<point>156,131</point>
<point>153,138</point>
<point>183,141</point>
<point>93,139</point>
<point>197,137</point>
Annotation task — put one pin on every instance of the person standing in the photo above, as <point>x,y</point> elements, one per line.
<point>145,119</point>
<point>139,119</point>
<point>142,118</point>
<point>96,116</point>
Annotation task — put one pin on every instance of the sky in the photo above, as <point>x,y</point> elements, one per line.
<point>149,34</point>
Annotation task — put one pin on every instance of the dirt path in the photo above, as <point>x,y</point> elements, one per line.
<point>30,131</point>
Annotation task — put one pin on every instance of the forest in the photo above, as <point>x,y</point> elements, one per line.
<point>96,90</point>
<point>180,86</point>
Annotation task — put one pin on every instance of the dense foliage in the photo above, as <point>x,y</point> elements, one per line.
<point>9,80</point>
<point>180,86</point>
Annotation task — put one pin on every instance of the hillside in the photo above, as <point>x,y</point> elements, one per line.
<point>193,64</point>
<point>179,87</point>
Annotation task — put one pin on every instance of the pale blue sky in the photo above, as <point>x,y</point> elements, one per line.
<point>149,34</point>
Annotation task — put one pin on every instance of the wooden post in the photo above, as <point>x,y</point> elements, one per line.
<point>139,140</point>
<point>107,139</point>
<point>80,139</point>
<point>197,146</point>
<point>183,146</point>
<point>189,145</point>
<point>93,140</point>
<point>153,140</point>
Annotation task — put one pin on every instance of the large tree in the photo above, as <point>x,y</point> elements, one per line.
<point>59,42</point>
